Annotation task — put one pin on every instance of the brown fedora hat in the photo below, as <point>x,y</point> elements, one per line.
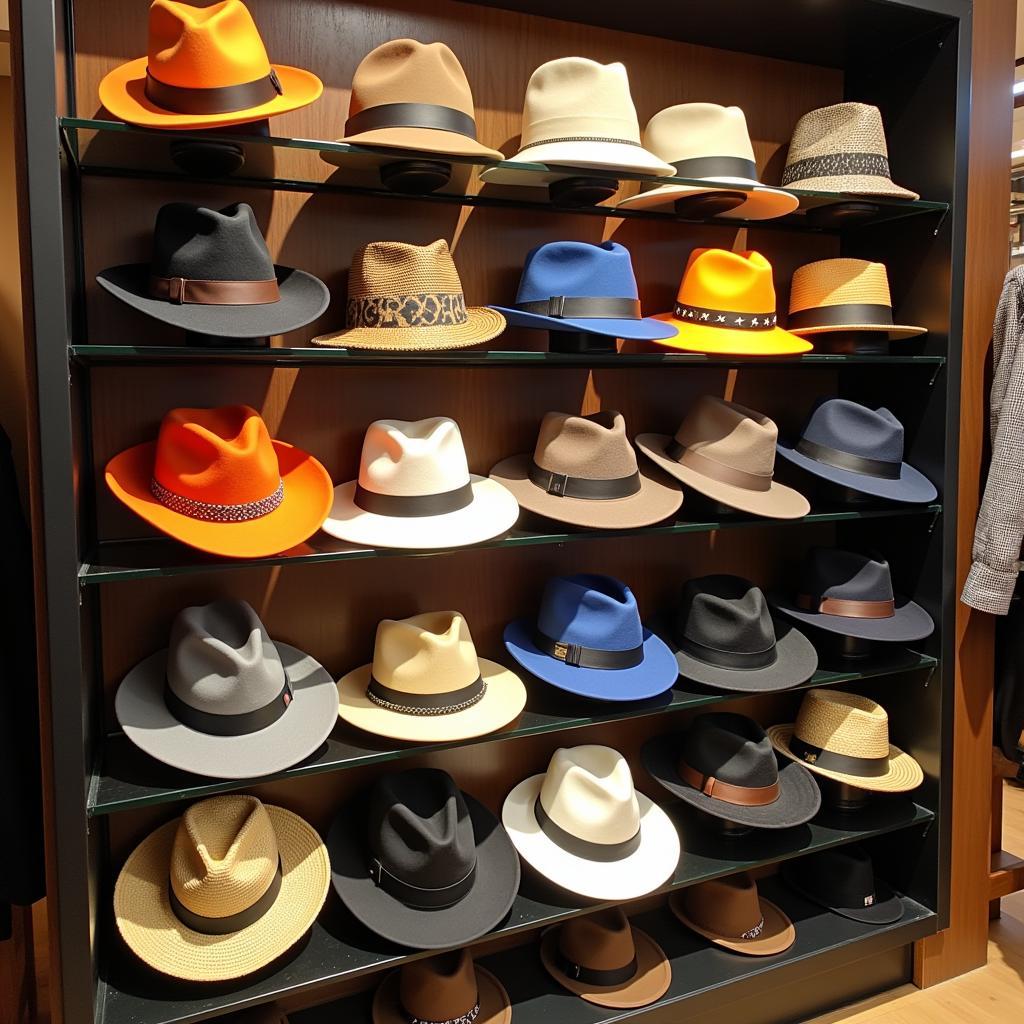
<point>602,958</point>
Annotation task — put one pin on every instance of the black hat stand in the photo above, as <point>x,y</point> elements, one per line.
<point>196,340</point>
<point>205,156</point>
<point>415,177</point>
<point>581,191</point>
<point>708,204</point>
<point>843,215</point>
<point>852,343</point>
<point>580,343</point>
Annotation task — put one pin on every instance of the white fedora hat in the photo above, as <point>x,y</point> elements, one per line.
<point>415,491</point>
<point>584,826</point>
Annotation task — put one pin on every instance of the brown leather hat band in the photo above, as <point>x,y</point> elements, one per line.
<point>742,796</point>
<point>848,609</point>
<point>716,470</point>
<point>224,99</point>
<point>190,291</point>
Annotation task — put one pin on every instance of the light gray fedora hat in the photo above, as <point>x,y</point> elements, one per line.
<point>224,700</point>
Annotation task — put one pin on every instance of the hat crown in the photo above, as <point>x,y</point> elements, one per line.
<point>845,876</point>
<point>725,906</point>
<point>224,857</point>
<point>591,610</point>
<point>593,447</point>
<point>725,613</point>
<point>691,130</point>
<point>429,653</point>
<point>735,282</point>
<point>588,792</point>
<point>440,987</point>
<point>413,457</point>
<point>577,269</point>
<point>602,941</point>
<point>731,435</point>
<point>845,575</point>
<point>840,128</point>
<point>730,748</point>
<point>843,723</point>
<point>398,270</point>
<point>838,282</point>
<point>849,427</point>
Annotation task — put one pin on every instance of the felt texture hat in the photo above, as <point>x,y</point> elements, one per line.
<point>843,880</point>
<point>705,140</point>
<point>215,480</point>
<point>845,737</point>
<point>408,298</point>
<point>603,959</point>
<point>424,864</point>
<point>206,67</point>
<point>727,452</point>
<point>583,826</point>
<point>415,491</point>
<point>223,890</point>
<point>427,684</point>
<point>588,639</point>
<point>583,471</point>
<point>723,764</point>
<point>224,700</point>
<point>853,446</point>
<point>726,305</point>
<point>577,286</point>
<point>842,148</point>
<point>211,273</point>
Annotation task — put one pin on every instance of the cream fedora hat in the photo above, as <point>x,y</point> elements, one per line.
<point>426,684</point>
<point>415,491</point>
<point>583,826</point>
<point>708,141</point>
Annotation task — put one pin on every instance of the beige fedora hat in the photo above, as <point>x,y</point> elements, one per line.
<point>223,890</point>
<point>845,737</point>
<point>705,140</point>
<point>842,149</point>
<point>584,471</point>
<point>844,295</point>
<point>415,491</point>
<point>408,298</point>
<point>427,685</point>
<point>584,826</point>
<point>727,451</point>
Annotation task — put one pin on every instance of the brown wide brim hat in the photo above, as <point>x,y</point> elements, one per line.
<point>413,142</point>
<point>495,1006</point>
<point>482,324</point>
<point>778,934</point>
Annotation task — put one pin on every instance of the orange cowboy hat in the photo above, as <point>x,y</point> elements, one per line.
<point>215,480</point>
<point>726,304</point>
<point>206,67</point>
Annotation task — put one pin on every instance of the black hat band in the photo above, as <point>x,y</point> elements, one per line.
<point>428,704</point>
<point>592,975</point>
<point>416,309</point>
<point>587,657</point>
<point>716,167</point>
<point>845,460</point>
<point>232,922</point>
<point>726,319</point>
<point>583,307</point>
<point>842,314</point>
<point>411,115</point>
<point>843,764</point>
<point>225,99</point>
<point>561,485</point>
<point>837,165</point>
<point>415,895</point>
<point>741,660</point>
<point>413,506</point>
<point>717,471</point>
<point>605,853</point>
<point>228,725</point>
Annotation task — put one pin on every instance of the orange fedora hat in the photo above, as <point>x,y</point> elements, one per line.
<point>215,480</point>
<point>206,67</point>
<point>726,304</point>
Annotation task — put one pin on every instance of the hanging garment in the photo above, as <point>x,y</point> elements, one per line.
<point>1008,699</point>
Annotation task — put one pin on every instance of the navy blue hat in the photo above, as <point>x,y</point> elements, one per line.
<point>854,446</point>
<point>588,640</point>
<point>576,286</point>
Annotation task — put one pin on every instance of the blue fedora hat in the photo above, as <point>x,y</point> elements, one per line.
<point>588,639</point>
<point>854,446</point>
<point>576,286</point>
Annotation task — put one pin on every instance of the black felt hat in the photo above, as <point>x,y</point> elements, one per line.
<point>430,867</point>
<point>211,273</point>
<point>724,764</point>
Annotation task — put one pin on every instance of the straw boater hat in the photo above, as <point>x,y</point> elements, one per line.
<point>426,684</point>
<point>583,826</point>
<point>727,452</point>
<point>223,890</point>
<point>206,68</point>
<point>408,298</point>
<point>841,149</point>
<point>845,737</point>
<point>705,140</point>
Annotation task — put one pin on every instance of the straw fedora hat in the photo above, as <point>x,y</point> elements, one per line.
<point>415,491</point>
<point>578,114</point>
<point>206,67</point>
<point>726,305</point>
<point>224,700</point>
<point>845,737</point>
<point>412,96</point>
<point>727,452</point>
<point>427,685</point>
<point>223,890</point>
<point>583,826</point>
<point>216,481</point>
<point>603,959</point>
<point>708,141</point>
<point>843,295</point>
<point>447,988</point>
<point>408,298</point>
<point>842,149</point>
<point>584,471</point>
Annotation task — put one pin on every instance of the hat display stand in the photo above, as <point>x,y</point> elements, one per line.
<point>415,177</point>
<point>581,342</point>
<point>853,343</point>
<point>581,191</point>
<point>840,798</point>
<point>193,339</point>
<point>844,214</point>
<point>206,154</point>
<point>708,204</point>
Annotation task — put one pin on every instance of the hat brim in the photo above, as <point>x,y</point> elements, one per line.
<point>643,871</point>
<point>910,621</point>
<point>855,185</point>
<point>303,298</point>
<point>307,499</point>
<point>650,982</point>
<point>569,158</point>
<point>415,140</point>
<point>481,909</point>
<point>887,908</point>
<point>151,930</point>
<point>778,935</point>
<point>146,720</point>
<point>502,702</point>
<point>492,511</point>
<point>895,332</point>
<point>495,1005</point>
<point>799,797</point>
<point>655,674</point>
<point>482,324</point>
<point>644,329</point>
<point>762,203</point>
<point>724,341</point>
<point>123,93</point>
<point>658,498</point>
<point>778,502</point>
<point>902,775</point>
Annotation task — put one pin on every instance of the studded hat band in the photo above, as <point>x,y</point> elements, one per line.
<point>604,853</point>
<point>211,512</point>
<point>603,978</point>
<point>740,796</point>
<point>843,764</point>
<point>220,100</point>
<point>838,459</point>
<point>411,115</point>
<point>189,291</point>
<point>716,470</point>
<point>837,165</point>
<point>581,138</point>
<point>466,1018</point>
<point>416,309</point>
<point>726,319</point>
<point>228,725</point>
<point>232,922</point>
<point>428,704</point>
<point>753,933</point>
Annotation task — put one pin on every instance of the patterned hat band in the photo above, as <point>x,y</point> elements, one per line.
<point>417,309</point>
<point>214,513</point>
<point>754,932</point>
<point>837,165</point>
<point>466,1018</point>
<point>581,138</point>
<point>726,318</point>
